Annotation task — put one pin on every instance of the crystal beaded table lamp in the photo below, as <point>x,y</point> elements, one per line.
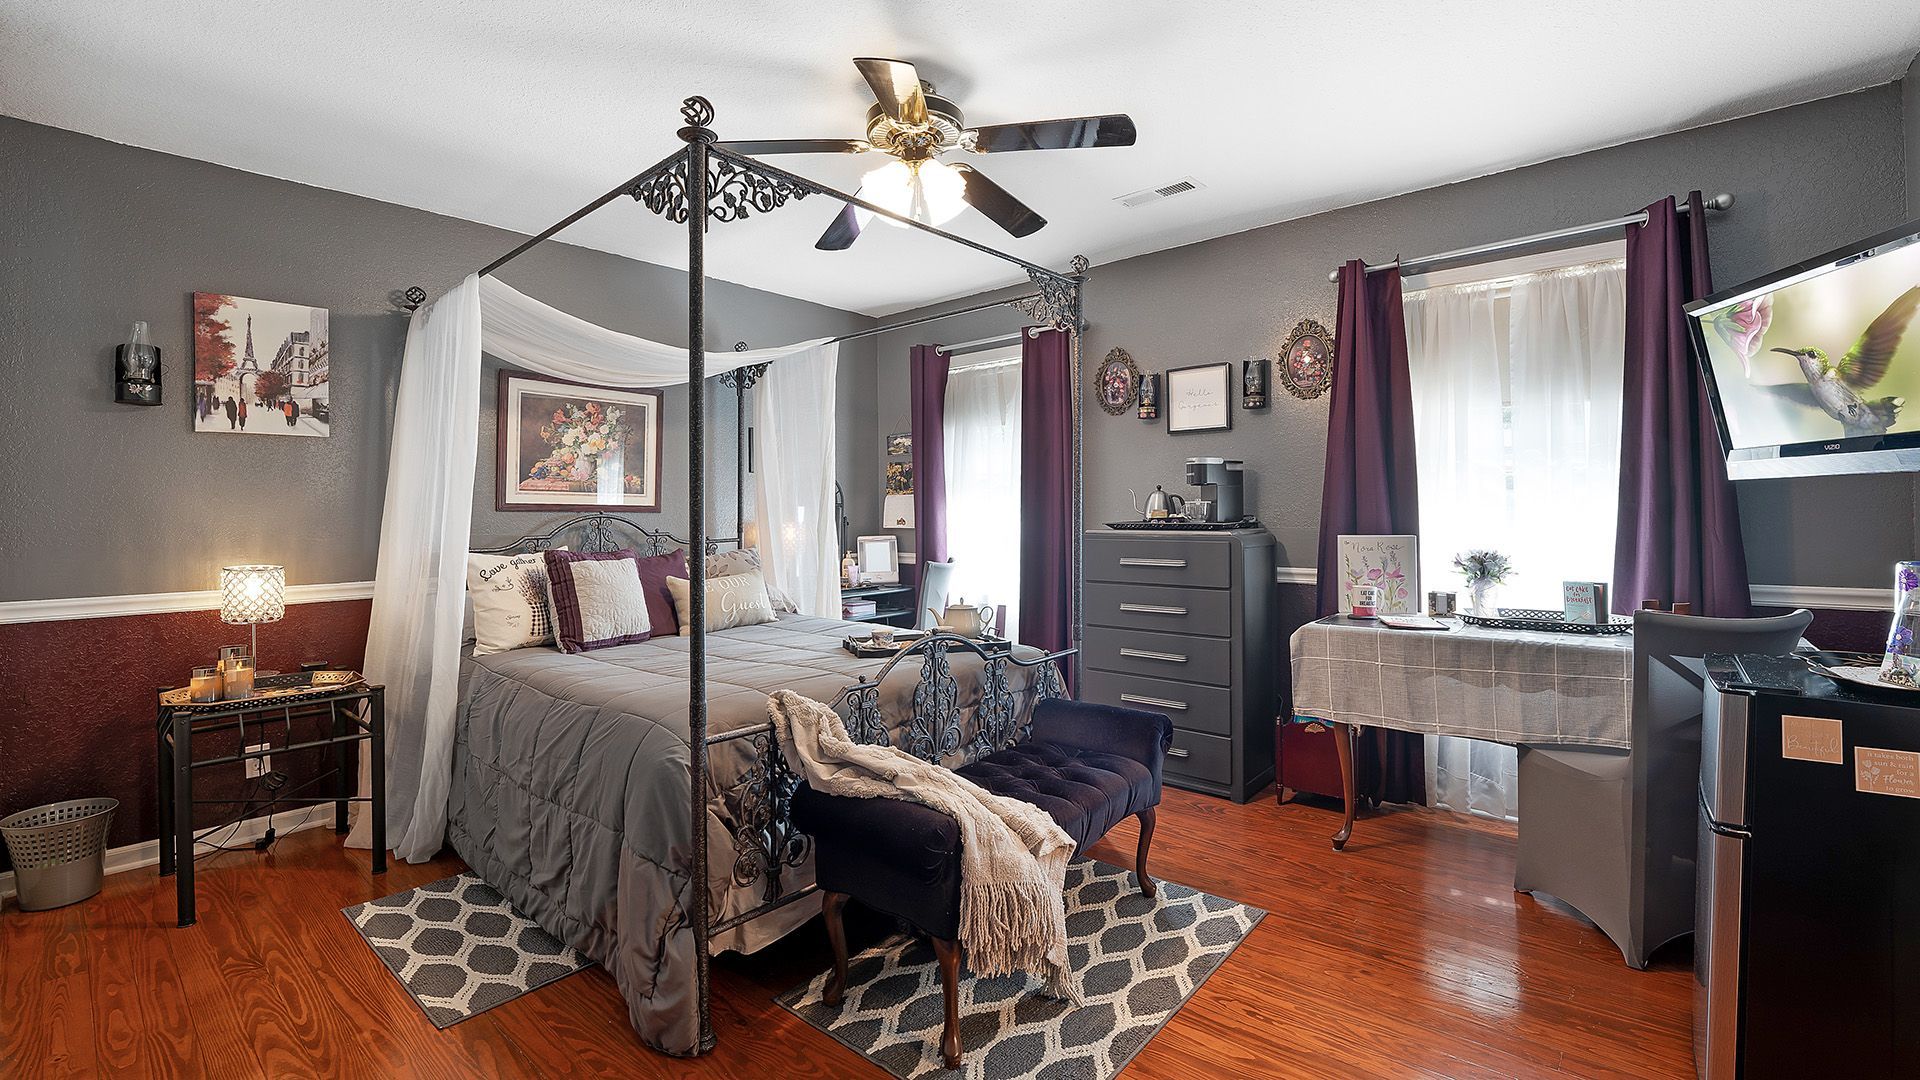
<point>251,595</point>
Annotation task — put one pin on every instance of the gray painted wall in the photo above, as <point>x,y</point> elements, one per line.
<point>104,499</point>
<point>1910,114</point>
<point>1808,178</point>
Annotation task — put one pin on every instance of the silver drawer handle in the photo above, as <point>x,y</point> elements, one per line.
<point>1147,654</point>
<point>1159,703</point>
<point>1176,564</point>
<point>1153,609</point>
<point>1174,751</point>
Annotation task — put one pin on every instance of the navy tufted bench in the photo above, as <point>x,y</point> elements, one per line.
<point>1088,766</point>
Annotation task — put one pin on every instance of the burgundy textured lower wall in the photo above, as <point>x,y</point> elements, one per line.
<point>77,706</point>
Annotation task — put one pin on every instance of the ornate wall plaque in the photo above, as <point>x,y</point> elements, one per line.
<point>1306,360</point>
<point>1115,381</point>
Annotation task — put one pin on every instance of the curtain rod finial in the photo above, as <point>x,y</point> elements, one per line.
<point>409,299</point>
<point>1722,201</point>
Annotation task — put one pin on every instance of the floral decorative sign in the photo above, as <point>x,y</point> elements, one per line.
<point>564,446</point>
<point>1390,563</point>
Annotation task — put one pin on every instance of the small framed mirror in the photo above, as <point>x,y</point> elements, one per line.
<point>879,558</point>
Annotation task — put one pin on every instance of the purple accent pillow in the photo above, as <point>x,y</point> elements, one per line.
<point>654,572</point>
<point>597,606</point>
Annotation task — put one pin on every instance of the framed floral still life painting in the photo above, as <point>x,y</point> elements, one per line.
<point>565,446</point>
<point>1389,563</point>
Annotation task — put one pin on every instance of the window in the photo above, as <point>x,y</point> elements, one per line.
<point>1516,398</point>
<point>982,430</point>
<point>1517,373</point>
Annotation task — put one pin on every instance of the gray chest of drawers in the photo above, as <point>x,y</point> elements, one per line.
<point>1182,623</point>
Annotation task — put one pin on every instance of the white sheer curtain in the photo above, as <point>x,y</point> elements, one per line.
<point>982,430</point>
<point>1569,344</point>
<point>793,413</point>
<point>413,638</point>
<point>1516,400</point>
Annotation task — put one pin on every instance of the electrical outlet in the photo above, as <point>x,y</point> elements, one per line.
<point>260,766</point>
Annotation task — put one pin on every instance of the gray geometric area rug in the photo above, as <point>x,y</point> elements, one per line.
<point>1138,960</point>
<point>459,948</point>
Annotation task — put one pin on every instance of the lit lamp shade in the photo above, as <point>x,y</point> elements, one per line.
<point>253,594</point>
<point>750,535</point>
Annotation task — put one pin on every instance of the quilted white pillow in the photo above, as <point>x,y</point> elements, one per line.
<point>747,561</point>
<point>734,600</point>
<point>508,594</point>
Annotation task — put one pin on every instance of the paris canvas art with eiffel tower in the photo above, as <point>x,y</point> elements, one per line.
<point>260,367</point>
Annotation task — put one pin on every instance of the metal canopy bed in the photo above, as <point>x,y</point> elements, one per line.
<point>704,184</point>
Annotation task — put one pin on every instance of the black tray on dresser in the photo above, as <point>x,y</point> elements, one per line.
<point>1182,525</point>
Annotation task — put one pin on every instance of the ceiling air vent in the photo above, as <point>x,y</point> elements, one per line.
<point>1149,195</point>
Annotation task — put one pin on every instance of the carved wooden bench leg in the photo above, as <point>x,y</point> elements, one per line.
<point>948,953</point>
<point>1147,886</point>
<point>836,902</point>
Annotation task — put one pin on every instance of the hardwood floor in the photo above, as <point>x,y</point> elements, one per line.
<point>1408,955</point>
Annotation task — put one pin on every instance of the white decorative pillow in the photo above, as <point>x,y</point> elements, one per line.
<point>747,561</point>
<point>733,600</point>
<point>508,598</point>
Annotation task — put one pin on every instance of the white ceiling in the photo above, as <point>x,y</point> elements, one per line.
<point>514,114</point>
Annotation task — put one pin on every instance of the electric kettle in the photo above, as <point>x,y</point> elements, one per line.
<point>1161,504</point>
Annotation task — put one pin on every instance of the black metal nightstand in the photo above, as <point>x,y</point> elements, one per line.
<point>355,711</point>
<point>895,604</point>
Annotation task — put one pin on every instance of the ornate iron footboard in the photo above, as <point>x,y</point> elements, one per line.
<point>765,841</point>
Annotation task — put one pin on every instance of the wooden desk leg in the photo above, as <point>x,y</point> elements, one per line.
<point>1343,742</point>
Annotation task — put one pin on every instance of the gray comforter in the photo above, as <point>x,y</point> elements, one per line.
<point>571,788</point>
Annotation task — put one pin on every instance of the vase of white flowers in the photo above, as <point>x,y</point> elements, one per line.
<point>1485,572</point>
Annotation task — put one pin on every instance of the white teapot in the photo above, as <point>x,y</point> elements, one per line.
<point>967,620</point>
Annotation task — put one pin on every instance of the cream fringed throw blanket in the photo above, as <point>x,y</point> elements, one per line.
<point>1013,856</point>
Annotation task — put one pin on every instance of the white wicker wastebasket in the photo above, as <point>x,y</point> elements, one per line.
<point>59,851</point>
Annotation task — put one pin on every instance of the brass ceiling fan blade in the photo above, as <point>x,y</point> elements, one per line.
<point>998,204</point>
<point>842,231</point>
<point>896,86</point>
<point>1068,134</point>
<point>765,147</point>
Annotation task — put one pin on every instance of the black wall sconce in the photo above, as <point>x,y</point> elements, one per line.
<point>136,370</point>
<point>1253,382</point>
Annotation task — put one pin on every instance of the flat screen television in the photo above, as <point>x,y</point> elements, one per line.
<point>1816,369</point>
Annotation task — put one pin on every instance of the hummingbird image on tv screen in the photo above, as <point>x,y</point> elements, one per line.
<point>1833,386</point>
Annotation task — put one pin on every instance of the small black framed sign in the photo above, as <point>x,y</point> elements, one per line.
<point>1200,398</point>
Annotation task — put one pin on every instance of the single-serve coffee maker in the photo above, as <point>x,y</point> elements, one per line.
<point>1222,491</point>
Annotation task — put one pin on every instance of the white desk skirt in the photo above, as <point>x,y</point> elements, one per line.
<point>1507,686</point>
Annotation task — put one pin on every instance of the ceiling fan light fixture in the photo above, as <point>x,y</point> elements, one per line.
<point>930,192</point>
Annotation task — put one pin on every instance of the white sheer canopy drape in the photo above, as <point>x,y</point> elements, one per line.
<point>413,639</point>
<point>793,419</point>
<point>1516,400</point>
<point>982,431</point>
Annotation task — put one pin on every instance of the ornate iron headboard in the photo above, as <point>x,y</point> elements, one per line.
<point>599,533</point>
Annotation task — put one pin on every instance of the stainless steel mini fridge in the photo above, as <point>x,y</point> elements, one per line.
<point>1807,930</point>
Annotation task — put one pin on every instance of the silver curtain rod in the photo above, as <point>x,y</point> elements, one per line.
<point>1718,202</point>
<point>977,344</point>
<point>1008,302</point>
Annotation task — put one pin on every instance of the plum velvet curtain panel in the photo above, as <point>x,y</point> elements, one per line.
<point>1371,484</point>
<point>927,370</point>
<point>1678,537</point>
<point>1046,498</point>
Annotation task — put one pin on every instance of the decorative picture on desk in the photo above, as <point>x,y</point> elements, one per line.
<point>260,367</point>
<point>564,446</point>
<point>1200,398</point>
<point>1389,563</point>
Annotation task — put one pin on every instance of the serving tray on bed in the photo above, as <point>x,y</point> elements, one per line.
<point>866,649</point>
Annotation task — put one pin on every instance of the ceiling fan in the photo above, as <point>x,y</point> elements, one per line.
<point>915,125</point>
